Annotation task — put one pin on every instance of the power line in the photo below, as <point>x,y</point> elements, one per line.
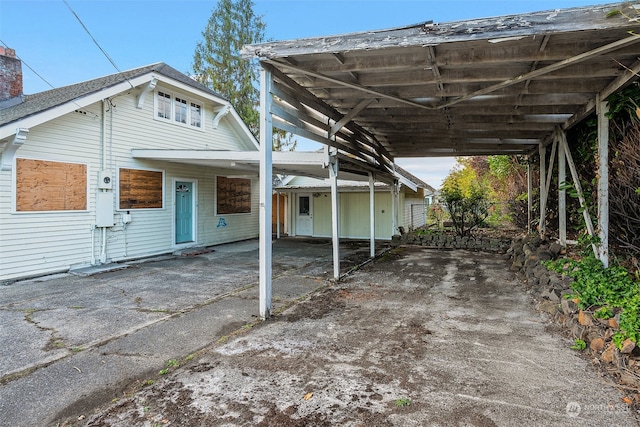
<point>94,40</point>
<point>32,70</point>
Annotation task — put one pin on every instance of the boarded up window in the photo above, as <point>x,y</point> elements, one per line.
<point>233,195</point>
<point>43,185</point>
<point>140,189</point>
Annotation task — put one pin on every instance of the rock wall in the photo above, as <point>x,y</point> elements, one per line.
<point>446,240</point>
<point>549,290</point>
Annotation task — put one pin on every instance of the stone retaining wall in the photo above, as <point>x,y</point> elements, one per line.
<point>549,290</point>
<point>447,240</point>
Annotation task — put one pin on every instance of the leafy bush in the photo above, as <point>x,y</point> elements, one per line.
<point>610,289</point>
<point>466,212</point>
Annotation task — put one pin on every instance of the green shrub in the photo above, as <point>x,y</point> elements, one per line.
<point>610,289</point>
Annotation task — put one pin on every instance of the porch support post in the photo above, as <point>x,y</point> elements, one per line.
<point>372,216</point>
<point>335,212</point>
<point>602,108</point>
<point>266,188</point>
<point>542,151</point>
<point>578,187</point>
<point>562,193</point>
<point>529,195</point>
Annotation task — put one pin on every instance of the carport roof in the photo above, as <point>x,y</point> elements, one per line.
<point>303,163</point>
<point>484,86</point>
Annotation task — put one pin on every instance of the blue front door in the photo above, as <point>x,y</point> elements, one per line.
<point>184,212</point>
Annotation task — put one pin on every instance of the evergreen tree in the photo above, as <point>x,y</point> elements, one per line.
<point>217,62</point>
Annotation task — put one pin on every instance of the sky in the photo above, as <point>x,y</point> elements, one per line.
<point>51,42</point>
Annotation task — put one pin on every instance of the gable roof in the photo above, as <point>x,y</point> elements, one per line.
<point>40,107</point>
<point>43,101</point>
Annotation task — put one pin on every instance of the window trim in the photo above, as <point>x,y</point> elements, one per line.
<point>176,99</point>
<point>14,188</point>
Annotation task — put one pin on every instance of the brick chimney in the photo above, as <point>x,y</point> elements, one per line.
<point>10,74</point>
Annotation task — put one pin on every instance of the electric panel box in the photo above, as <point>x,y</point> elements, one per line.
<point>104,209</point>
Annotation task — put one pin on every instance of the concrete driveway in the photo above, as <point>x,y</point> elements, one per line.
<point>420,337</point>
<point>68,342</point>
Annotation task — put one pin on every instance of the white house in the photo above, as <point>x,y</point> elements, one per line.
<point>76,188</point>
<point>308,207</point>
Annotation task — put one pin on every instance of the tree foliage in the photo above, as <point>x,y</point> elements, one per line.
<point>217,62</point>
<point>467,211</point>
<point>466,195</point>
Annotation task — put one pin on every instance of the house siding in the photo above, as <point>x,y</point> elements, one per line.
<point>354,215</point>
<point>37,243</point>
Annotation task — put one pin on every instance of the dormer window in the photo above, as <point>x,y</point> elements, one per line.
<point>177,109</point>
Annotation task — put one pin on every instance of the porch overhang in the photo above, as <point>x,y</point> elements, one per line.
<point>311,164</point>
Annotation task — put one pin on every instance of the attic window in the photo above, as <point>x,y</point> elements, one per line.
<point>179,110</point>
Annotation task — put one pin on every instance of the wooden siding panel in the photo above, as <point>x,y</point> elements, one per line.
<point>354,215</point>
<point>39,243</point>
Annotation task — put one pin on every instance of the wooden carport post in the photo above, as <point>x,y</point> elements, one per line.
<point>529,194</point>
<point>562,140</point>
<point>335,210</point>
<point>266,188</point>
<point>562,192</point>
<point>372,216</point>
<point>542,225</point>
<point>602,108</point>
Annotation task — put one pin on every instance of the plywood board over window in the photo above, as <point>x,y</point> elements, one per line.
<point>43,185</point>
<point>233,195</point>
<point>140,189</point>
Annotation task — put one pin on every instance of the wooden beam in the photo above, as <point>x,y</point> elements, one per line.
<point>602,108</point>
<point>349,85</point>
<point>372,216</point>
<point>542,224</point>
<point>629,74</point>
<point>548,69</point>
<point>562,193</point>
<point>348,117</point>
<point>335,210</point>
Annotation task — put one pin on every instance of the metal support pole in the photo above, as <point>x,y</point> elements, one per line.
<point>372,216</point>
<point>602,108</point>
<point>562,194</point>
<point>266,173</point>
<point>335,213</point>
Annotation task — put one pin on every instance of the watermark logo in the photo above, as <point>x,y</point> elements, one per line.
<point>573,409</point>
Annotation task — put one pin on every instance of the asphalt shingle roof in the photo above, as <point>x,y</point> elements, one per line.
<point>42,101</point>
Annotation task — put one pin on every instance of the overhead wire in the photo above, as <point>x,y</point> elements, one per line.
<point>104,52</point>
<point>30,68</point>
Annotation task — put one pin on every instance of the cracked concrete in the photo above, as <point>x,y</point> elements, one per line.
<point>71,342</point>
<point>450,332</point>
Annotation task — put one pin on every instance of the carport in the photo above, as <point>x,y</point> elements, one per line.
<point>504,85</point>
